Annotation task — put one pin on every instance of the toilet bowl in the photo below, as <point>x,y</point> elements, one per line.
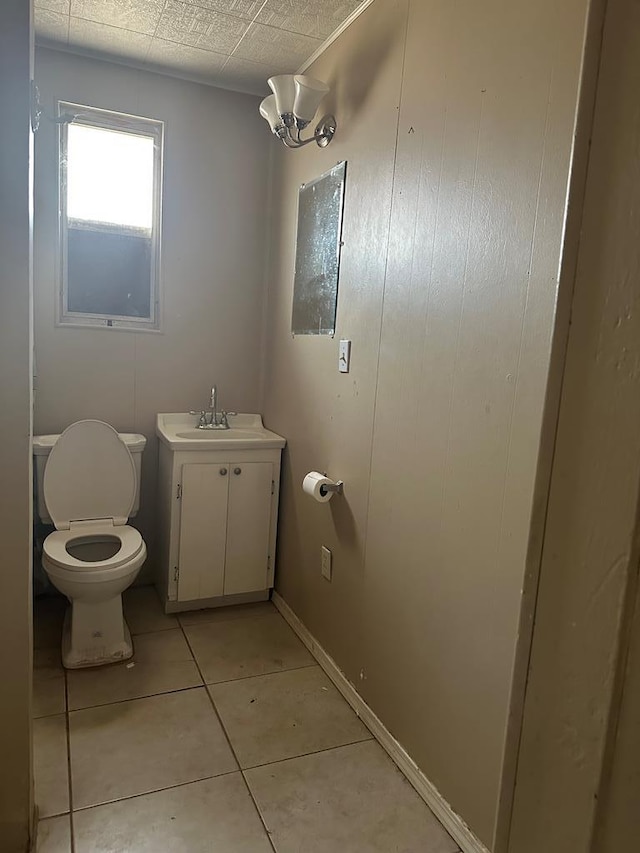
<point>89,487</point>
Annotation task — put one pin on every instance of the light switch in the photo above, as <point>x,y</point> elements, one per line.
<point>345,356</point>
<point>326,563</point>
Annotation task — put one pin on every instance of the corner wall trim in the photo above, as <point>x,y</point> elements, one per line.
<point>334,35</point>
<point>451,821</point>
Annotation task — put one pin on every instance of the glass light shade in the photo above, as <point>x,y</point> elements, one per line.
<point>269,111</point>
<point>284,89</point>
<point>309,93</point>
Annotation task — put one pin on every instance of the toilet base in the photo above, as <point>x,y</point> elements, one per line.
<point>95,633</point>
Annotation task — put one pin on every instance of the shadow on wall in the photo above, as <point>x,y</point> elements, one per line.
<point>344,521</point>
<point>288,515</point>
<point>358,74</point>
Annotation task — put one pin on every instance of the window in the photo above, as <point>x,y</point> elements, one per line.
<point>110,202</point>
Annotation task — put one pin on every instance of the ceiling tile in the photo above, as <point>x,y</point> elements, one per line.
<point>61,6</point>
<point>141,16</point>
<point>51,26</point>
<point>197,27</point>
<point>318,19</point>
<point>268,45</point>
<point>246,9</point>
<point>251,76</point>
<point>89,35</point>
<point>233,43</point>
<point>182,57</point>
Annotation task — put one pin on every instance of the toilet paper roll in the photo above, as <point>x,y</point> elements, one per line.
<point>312,486</point>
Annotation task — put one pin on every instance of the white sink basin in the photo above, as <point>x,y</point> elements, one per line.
<point>179,431</point>
<point>231,434</point>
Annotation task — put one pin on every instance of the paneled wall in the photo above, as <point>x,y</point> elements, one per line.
<point>579,767</point>
<point>212,269</point>
<point>457,123</point>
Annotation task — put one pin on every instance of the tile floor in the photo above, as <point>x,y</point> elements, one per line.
<point>222,735</point>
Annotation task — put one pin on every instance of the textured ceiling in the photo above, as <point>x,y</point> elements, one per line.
<point>232,43</point>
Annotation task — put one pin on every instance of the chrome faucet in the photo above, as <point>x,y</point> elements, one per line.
<point>213,419</point>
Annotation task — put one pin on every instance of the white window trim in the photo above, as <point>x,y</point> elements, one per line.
<point>93,116</point>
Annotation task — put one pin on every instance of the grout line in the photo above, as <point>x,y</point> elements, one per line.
<point>154,631</point>
<point>218,620</point>
<point>69,776</point>
<point>68,710</point>
<point>204,684</point>
<point>154,791</point>
<point>137,698</point>
<point>257,808</point>
<point>226,734</point>
<point>260,674</point>
<point>369,737</point>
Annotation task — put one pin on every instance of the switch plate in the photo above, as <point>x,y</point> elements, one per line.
<point>326,563</point>
<point>344,359</point>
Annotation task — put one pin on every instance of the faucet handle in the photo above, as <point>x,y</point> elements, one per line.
<point>225,421</point>
<point>202,417</point>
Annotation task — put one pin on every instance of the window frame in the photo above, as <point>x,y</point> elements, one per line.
<point>109,120</point>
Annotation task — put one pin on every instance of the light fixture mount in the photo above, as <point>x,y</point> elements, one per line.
<point>325,130</point>
<point>292,107</point>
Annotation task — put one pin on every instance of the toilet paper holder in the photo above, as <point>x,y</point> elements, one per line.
<point>337,487</point>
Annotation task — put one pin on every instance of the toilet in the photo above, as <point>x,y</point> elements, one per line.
<point>88,487</point>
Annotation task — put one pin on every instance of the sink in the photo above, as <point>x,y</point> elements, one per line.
<point>215,435</point>
<point>179,431</point>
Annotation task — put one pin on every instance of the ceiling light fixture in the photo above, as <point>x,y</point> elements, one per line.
<point>293,106</point>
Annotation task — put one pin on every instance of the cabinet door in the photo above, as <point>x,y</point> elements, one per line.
<point>248,523</point>
<point>202,531</point>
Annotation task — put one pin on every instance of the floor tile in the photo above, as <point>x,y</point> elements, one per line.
<point>162,662</point>
<point>285,714</point>
<point>143,611</point>
<point>54,835</point>
<point>48,616</point>
<point>50,767</point>
<point>243,647</point>
<point>48,683</point>
<point>224,614</point>
<point>351,798</point>
<point>144,745</point>
<point>203,817</point>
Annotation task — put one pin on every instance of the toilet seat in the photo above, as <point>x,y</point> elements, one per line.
<point>55,545</point>
<point>90,476</point>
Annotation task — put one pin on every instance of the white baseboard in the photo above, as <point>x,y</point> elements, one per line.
<point>451,821</point>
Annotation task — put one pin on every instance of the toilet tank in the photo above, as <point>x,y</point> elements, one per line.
<point>42,445</point>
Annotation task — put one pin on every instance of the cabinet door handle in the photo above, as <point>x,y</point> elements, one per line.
<point>237,470</point>
<point>223,472</point>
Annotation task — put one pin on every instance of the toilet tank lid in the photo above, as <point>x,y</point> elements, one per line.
<point>42,444</point>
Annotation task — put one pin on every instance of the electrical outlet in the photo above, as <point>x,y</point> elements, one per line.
<point>326,563</point>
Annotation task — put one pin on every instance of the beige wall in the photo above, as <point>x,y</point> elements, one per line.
<point>15,425</point>
<point>457,122</point>
<point>215,185</point>
<point>617,824</point>
<point>578,774</point>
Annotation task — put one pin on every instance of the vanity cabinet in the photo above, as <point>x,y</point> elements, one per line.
<point>218,519</point>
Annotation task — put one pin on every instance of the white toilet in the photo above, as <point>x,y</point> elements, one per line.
<point>88,486</point>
